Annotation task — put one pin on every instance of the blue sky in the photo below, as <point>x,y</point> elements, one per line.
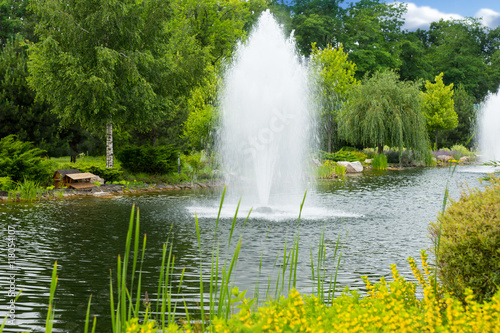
<point>422,12</point>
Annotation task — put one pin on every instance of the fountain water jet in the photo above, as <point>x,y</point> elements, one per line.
<point>265,116</point>
<point>489,129</point>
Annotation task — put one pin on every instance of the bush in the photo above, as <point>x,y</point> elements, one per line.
<point>6,183</point>
<point>379,162</point>
<point>108,174</point>
<point>149,159</point>
<point>468,234</point>
<point>20,160</point>
<point>390,307</point>
<point>392,156</point>
<point>341,155</point>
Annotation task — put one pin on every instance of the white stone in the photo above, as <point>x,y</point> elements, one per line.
<point>444,158</point>
<point>351,167</point>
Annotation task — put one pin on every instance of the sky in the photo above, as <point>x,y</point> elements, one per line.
<point>422,12</point>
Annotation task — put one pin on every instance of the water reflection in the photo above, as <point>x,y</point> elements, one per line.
<point>386,217</point>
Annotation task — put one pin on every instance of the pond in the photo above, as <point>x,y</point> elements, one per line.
<point>382,219</point>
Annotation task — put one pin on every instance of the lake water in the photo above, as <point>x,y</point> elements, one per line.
<point>382,219</point>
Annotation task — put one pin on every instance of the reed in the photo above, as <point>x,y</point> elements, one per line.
<point>379,162</point>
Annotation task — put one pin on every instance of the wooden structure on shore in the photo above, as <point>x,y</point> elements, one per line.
<point>73,178</point>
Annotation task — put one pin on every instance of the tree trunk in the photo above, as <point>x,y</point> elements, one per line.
<point>329,141</point>
<point>380,148</point>
<point>109,145</point>
<point>436,142</point>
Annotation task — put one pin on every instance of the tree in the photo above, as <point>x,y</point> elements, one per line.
<point>466,52</point>
<point>317,21</point>
<point>333,75</point>
<point>385,111</point>
<point>105,63</point>
<point>372,35</point>
<point>202,119</point>
<point>438,107</point>
<point>215,28</point>
<point>467,115</point>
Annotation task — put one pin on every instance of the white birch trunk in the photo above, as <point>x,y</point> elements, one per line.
<point>109,145</point>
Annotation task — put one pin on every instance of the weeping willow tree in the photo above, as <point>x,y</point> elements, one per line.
<point>385,111</point>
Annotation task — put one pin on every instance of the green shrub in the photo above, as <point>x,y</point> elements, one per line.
<point>392,156</point>
<point>468,238</point>
<point>379,162</point>
<point>341,155</point>
<point>6,183</point>
<point>459,151</point>
<point>149,159</point>
<point>20,160</point>
<point>108,174</point>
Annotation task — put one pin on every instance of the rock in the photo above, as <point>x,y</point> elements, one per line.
<point>368,160</point>
<point>464,159</point>
<point>444,158</point>
<point>202,185</point>
<point>102,194</point>
<point>264,210</point>
<point>352,167</point>
<point>316,162</point>
<point>97,179</point>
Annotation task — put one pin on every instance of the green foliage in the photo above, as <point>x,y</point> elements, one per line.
<point>383,110</point>
<point>467,115</point>
<point>391,306</point>
<point>379,162</point>
<point>373,35</point>
<point>202,118</point>
<point>333,76</point>
<point>149,159</point>
<point>466,51</point>
<point>108,174</point>
<point>438,107</point>
<point>468,238</point>
<point>19,161</point>
<point>330,169</point>
<point>459,151</point>
<point>6,183</point>
<point>316,21</point>
<point>341,155</point>
<point>197,165</point>
<point>29,190</point>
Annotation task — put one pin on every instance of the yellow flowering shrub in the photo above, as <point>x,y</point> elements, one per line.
<point>389,307</point>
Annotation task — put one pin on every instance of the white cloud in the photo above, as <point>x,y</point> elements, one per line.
<point>421,17</point>
<point>490,17</point>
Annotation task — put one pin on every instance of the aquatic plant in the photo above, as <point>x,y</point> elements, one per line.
<point>379,162</point>
<point>29,190</point>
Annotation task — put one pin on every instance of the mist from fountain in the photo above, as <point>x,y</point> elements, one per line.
<point>266,118</point>
<point>489,129</point>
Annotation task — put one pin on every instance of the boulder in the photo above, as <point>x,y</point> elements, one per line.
<point>444,158</point>
<point>368,160</point>
<point>351,167</point>
<point>464,159</point>
<point>97,179</point>
<point>316,162</point>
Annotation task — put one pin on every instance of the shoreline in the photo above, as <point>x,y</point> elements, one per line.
<point>112,190</point>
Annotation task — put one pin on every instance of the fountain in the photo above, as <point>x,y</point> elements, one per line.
<point>266,118</point>
<point>489,129</point>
